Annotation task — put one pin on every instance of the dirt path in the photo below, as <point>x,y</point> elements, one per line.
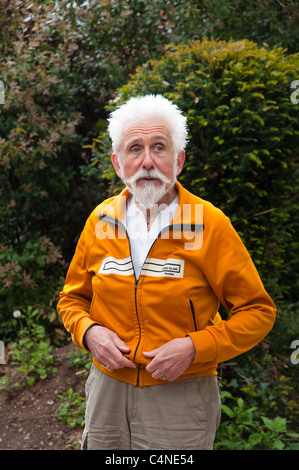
<point>28,417</point>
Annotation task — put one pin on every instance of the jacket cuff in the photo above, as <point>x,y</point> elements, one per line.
<point>78,335</point>
<point>84,336</point>
<point>205,346</point>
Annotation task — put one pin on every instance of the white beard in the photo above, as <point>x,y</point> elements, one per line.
<point>148,194</point>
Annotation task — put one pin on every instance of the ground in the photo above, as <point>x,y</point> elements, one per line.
<point>28,416</point>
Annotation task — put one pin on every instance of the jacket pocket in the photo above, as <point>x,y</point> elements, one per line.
<point>203,311</point>
<point>193,314</point>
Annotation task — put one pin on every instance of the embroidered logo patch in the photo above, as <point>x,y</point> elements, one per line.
<point>153,267</point>
<point>170,267</point>
<point>111,265</point>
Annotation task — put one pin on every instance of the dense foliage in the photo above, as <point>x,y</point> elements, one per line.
<point>39,144</point>
<point>64,65</point>
<point>61,63</point>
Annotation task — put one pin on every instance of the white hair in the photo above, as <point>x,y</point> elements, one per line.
<point>144,109</point>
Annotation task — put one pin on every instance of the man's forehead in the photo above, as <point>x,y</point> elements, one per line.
<point>148,130</point>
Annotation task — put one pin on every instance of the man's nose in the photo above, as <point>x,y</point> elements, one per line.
<point>147,162</point>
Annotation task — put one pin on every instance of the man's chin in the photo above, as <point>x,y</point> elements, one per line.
<point>149,194</point>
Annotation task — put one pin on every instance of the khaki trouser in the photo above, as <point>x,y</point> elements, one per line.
<point>176,415</point>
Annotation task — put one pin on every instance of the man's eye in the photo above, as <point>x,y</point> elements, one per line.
<point>135,149</point>
<point>159,148</point>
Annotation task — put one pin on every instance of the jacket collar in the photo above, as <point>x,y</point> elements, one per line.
<point>189,211</point>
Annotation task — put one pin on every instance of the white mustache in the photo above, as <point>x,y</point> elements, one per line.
<point>148,174</point>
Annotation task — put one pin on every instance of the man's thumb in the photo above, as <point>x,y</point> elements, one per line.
<point>149,354</point>
<point>121,345</point>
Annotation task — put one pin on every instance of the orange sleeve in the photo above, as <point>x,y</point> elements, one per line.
<point>237,284</point>
<point>76,296</point>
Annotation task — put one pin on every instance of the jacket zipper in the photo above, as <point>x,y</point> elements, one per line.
<point>193,313</point>
<point>136,309</point>
<point>136,286</point>
<point>170,228</point>
<point>121,225</point>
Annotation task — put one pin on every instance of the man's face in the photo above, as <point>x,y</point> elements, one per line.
<point>147,163</point>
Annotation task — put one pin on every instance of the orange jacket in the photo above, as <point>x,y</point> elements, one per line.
<point>196,262</point>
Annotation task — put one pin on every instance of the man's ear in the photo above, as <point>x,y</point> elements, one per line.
<point>115,163</point>
<point>180,162</point>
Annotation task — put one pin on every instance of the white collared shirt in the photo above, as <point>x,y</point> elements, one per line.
<point>141,239</point>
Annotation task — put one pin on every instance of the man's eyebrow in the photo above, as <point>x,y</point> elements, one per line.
<point>138,140</point>
<point>159,137</point>
<point>134,141</point>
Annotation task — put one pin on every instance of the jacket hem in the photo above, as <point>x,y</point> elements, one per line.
<point>140,377</point>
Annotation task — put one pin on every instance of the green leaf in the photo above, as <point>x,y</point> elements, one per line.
<point>225,409</point>
<point>277,424</point>
<point>278,444</point>
<point>255,439</point>
<point>30,381</point>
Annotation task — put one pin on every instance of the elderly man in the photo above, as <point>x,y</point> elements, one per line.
<point>143,290</point>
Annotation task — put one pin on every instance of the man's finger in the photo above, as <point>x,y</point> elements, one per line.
<point>117,359</point>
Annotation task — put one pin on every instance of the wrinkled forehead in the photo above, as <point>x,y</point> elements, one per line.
<point>148,131</point>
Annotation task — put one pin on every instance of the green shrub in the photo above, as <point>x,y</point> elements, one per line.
<point>29,277</point>
<point>274,22</point>
<point>245,429</point>
<point>72,408</point>
<point>38,145</point>
<point>31,352</point>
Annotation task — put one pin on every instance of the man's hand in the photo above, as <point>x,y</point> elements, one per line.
<point>107,348</point>
<point>172,359</point>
